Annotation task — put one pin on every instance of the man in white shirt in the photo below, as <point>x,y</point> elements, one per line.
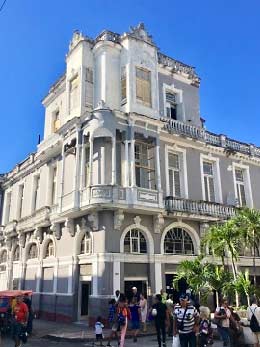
<point>254,309</point>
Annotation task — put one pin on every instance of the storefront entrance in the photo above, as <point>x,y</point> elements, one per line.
<point>182,287</point>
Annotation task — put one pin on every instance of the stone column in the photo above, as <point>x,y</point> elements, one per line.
<point>62,175</point>
<point>126,165</point>
<point>91,140</point>
<point>113,160</point>
<point>158,168</point>
<point>77,170</point>
<point>132,157</point>
<point>158,277</point>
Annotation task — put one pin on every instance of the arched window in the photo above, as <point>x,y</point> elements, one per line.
<point>16,256</point>
<point>178,241</point>
<point>85,246</point>
<point>3,257</point>
<point>135,242</point>
<point>49,249</point>
<point>33,252</point>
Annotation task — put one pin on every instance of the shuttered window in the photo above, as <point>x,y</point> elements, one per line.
<point>208,177</point>
<point>89,86</point>
<point>171,105</point>
<point>145,165</point>
<point>56,121</point>
<point>74,93</point>
<point>174,174</point>
<point>240,187</point>
<point>143,86</point>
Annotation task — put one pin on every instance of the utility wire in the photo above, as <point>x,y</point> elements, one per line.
<point>2,6</point>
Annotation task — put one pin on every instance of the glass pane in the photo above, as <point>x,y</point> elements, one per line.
<point>207,168</point>
<point>239,175</point>
<point>173,160</point>
<point>135,245</point>
<point>242,195</point>
<point>211,189</point>
<point>171,182</point>
<point>177,184</point>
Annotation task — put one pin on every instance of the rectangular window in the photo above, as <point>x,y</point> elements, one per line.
<point>171,105</point>
<point>145,165</point>
<point>174,174</point>
<point>54,186</point>
<point>89,86</point>
<point>74,93</point>
<point>240,187</point>
<point>20,200</point>
<point>143,86</point>
<point>56,121</point>
<point>208,179</point>
<point>35,192</point>
<point>123,85</point>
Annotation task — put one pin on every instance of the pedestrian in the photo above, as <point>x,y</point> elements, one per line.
<point>20,315</point>
<point>117,295</point>
<point>170,308</point>
<point>123,316</point>
<point>186,322</point>
<point>164,296</point>
<point>135,317</point>
<point>205,331</point>
<point>144,309</point>
<point>135,294</point>
<point>28,302</point>
<point>235,329</point>
<point>253,315</point>
<point>99,330</point>
<point>161,318</point>
<point>113,323</point>
<point>222,318</point>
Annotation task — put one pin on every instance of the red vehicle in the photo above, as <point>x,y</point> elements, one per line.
<point>7,301</point>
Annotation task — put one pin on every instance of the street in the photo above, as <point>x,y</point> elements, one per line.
<point>142,342</point>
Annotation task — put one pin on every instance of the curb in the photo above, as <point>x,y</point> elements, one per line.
<point>85,339</point>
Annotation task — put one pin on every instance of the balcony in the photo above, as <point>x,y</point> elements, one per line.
<point>199,208</point>
<point>200,134</point>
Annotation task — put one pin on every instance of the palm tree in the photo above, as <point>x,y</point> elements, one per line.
<point>248,223</point>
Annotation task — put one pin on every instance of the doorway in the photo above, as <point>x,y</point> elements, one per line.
<point>85,292</point>
<point>141,286</point>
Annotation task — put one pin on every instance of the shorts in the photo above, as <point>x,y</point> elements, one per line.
<point>113,326</point>
<point>17,329</point>
<point>135,325</point>
<point>99,337</point>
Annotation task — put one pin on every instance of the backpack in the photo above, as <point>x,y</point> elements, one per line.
<point>254,325</point>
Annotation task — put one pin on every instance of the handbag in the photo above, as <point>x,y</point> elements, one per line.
<point>176,341</point>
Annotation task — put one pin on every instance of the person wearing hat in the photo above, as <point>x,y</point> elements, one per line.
<point>186,322</point>
<point>135,294</point>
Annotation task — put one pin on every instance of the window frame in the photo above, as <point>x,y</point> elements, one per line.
<point>216,178</point>
<point>181,242</point>
<point>133,239</point>
<point>180,110</point>
<point>86,242</point>
<point>48,248</point>
<point>138,80</point>
<point>71,89</point>
<point>123,85</point>
<point>145,171</point>
<point>181,152</point>
<point>29,257</point>
<point>247,183</point>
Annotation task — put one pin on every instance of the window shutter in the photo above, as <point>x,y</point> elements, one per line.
<point>177,183</point>
<point>211,189</point>
<point>242,195</point>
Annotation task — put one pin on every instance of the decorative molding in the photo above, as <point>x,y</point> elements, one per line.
<point>158,223</point>
<point>118,219</point>
<point>38,234</point>
<point>8,243</point>
<point>93,220</point>
<point>70,226</point>
<point>138,220</point>
<point>56,229</point>
<point>22,239</point>
<point>139,32</point>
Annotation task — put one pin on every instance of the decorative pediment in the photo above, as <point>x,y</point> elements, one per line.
<point>141,33</point>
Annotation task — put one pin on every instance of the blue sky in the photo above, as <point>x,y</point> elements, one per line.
<point>220,38</point>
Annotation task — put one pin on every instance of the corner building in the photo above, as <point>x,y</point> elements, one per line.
<point>124,183</point>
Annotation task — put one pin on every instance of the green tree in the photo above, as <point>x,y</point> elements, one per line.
<point>247,222</point>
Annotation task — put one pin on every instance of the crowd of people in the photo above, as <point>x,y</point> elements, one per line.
<point>188,323</point>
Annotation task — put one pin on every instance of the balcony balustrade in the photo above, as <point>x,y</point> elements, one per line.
<point>203,208</point>
<point>184,129</point>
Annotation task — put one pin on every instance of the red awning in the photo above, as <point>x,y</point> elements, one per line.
<point>14,293</point>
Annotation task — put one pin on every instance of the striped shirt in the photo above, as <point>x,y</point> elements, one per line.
<point>188,320</point>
